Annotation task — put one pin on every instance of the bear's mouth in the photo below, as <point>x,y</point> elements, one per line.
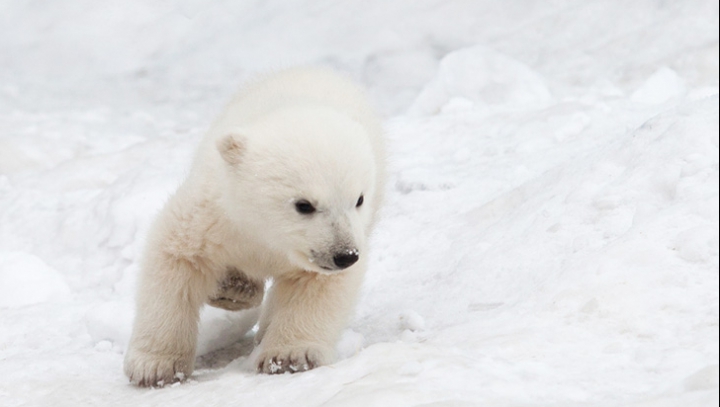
<point>318,263</point>
<point>305,261</point>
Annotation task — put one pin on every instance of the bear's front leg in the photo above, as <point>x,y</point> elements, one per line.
<point>162,346</point>
<point>303,318</point>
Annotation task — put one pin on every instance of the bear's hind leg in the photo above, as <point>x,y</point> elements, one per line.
<point>236,291</point>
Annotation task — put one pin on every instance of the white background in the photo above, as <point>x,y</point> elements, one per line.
<point>550,236</point>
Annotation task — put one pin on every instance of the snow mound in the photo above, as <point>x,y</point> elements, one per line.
<point>660,87</point>
<point>482,77</point>
<point>26,280</point>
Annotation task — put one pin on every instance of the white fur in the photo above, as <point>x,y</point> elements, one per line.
<point>298,134</point>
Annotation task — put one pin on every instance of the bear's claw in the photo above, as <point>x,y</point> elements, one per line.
<point>292,361</point>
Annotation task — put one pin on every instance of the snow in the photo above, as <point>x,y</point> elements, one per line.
<point>26,280</point>
<point>481,76</point>
<point>660,87</point>
<point>550,235</point>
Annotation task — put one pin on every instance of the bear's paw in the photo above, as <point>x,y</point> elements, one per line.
<point>153,370</point>
<point>293,360</point>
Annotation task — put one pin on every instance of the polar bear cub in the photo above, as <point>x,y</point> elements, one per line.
<point>285,186</point>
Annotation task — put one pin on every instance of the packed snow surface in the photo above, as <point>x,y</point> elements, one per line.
<point>550,236</point>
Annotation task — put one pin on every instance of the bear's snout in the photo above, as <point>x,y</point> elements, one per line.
<point>346,258</point>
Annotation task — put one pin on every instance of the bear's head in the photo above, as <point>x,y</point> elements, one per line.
<point>302,181</point>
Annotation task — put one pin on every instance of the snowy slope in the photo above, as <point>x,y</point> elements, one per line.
<point>550,235</point>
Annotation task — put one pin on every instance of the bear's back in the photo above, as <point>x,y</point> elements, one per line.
<point>297,87</point>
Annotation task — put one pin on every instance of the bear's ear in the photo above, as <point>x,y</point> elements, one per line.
<point>231,147</point>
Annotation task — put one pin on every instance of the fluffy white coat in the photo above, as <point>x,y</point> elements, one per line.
<point>292,139</point>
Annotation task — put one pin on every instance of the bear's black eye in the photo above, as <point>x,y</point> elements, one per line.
<point>360,201</point>
<point>304,207</point>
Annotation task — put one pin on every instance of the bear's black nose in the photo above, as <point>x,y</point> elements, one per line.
<point>346,259</point>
